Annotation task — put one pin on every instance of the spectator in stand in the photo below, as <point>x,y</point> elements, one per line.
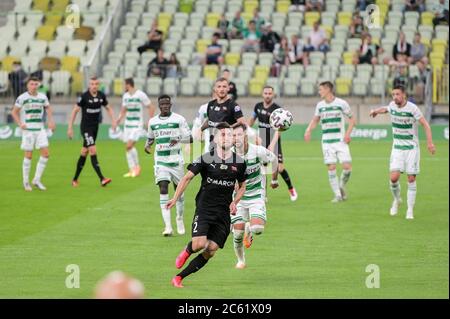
<point>418,51</point>
<point>441,13</point>
<point>318,38</point>
<point>232,91</point>
<point>314,5</point>
<point>297,55</point>
<point>173,67</point>
<point>260,22</point>
<point>18,78</point>
<point>357,26</point>
<point>414,5</point>
<point>269,38</point>
<point>237,26</point>
<point>155,39</point>
<point>401,51</point>
<point>298,5</point>
<point>214,51</point>
<point>158,66</point>
<point>251,37</point>
<point>281,56</point>
<point>368,52</point>
<point>222,26</point>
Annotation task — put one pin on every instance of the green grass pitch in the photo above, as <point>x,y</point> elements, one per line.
<point>310,249</point>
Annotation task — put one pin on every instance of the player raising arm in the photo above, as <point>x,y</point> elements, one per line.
<point>405,154</point>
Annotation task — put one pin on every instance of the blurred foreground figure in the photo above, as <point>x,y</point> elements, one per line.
<point>118,285</point>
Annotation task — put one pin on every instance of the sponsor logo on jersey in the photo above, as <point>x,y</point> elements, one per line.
<point>92,110</point>
<point>219,182</point>
<point>222,166</point>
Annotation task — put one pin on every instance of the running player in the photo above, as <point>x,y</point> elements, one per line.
<point>90,104</point>
<point>251,210</point>
<point>168,130</point>
<point>331,112</point>
<point>405,155</point>
<point>133,103</point>
<point>270,138</point>
<point>220,169</point>
<point>31,106</point>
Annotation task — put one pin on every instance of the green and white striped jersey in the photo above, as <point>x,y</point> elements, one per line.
<point>332,119</point>
<point>254,159</point>
<point>163,130</point>
<point>135,105</point>
<point>32,110</point>
<point>405,130</point>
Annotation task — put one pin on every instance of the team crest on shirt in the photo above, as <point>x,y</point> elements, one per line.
<point>95,100</point>
<point>223,166</point>
<point>217,108</point>
<point>237,108</point>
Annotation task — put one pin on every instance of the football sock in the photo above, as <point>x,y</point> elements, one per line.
<point>26,166</point>
<point>189,248</point>
<point>411,195</point>
<point>196,264</point>
<point>130,160</point>
<point>257,229</point>
<point>180,206</point>
<point>238,237</point>
<point>345,176</point>
<point>163,199</point>
<point>287,179</point>
<point>96,166</point>
<point>395,189</point>
<point>80,165</point>
<point>135,157</point>
<point>40,168</point>
<point>334,183</point>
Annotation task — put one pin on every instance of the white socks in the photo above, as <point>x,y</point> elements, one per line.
<point>238,237</point>
<point>180,207</point>
<point>26,166</point>
<point>40,168</point>
<point>257,229</point>
<point>163,199</point>
<point>395,190</point>
<point>345,176</point>
<point>334,183</point>
<point>132,158</point>
<point>412,190</point>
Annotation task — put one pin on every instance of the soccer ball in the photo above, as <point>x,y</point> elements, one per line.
<point>281,119</point>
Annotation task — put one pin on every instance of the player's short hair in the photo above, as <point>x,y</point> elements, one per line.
<point>33,78</point>
<point>221,79</point>
<point>226,70</point>
<point>400,87</point>
<point>243,126</point>
<point>268,87</point>
<point>328,84</point>
<point>93,78</point>
<point>164,97</point>
<point>222,125</point>
<point>129,81</point>
<point>216,34</point>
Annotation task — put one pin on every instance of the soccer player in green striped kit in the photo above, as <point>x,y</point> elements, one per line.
<point>331,113</point>
<point>405,155</point>
<point>251,215</point>
<point>168,130</point>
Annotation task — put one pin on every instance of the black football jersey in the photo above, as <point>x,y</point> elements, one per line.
<point>262,114</point>
<point>91,108</point>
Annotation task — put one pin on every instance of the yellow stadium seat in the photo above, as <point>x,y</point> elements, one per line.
<point>343,86</point>
<point>311,17</point>
<point>70,63</point>
<point>437,55</point>
<point>427,18</point>
<point>250,5</point>
<point>211,19</point>
<point>437,63</point>
<point>60,5</point>
<point>202,44</point>
<point>53,18</point>
<point>283,6</point>
<point>50,64</point>
<point>164,21</point>
<point>45,32</point>
<point>262,72</point>
<point>376,41</point>
<point>426,42</point>
<point>210,71</point>
<point>41,5</point>
<point>232,58</point>
<point>7,63</point>
<point>328,29</point>
<point>77,83</point>
<point>347,57</point>
<point>439,45</point>
<point>256,86</point>
<point>344,18</point>
<point>118,88</point>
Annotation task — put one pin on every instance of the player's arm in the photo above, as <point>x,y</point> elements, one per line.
<point>205,124</point>
<point>237,197</point>
<point>312,125</point>
<point>150,140</point>
<point>110,111</point>
<point>15,115</point>
<point>73,115</point>
<point>380,110</point>
<point>180,189</point>
<point>429,135</point>
<point>51,121</point>
<point>122,113</point>
<point>351,125</point>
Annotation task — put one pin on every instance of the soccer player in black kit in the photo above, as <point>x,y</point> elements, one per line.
<point>90,104</point>
<point>270,138</point>
<point>222,109</point>
<point>220,169</point>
